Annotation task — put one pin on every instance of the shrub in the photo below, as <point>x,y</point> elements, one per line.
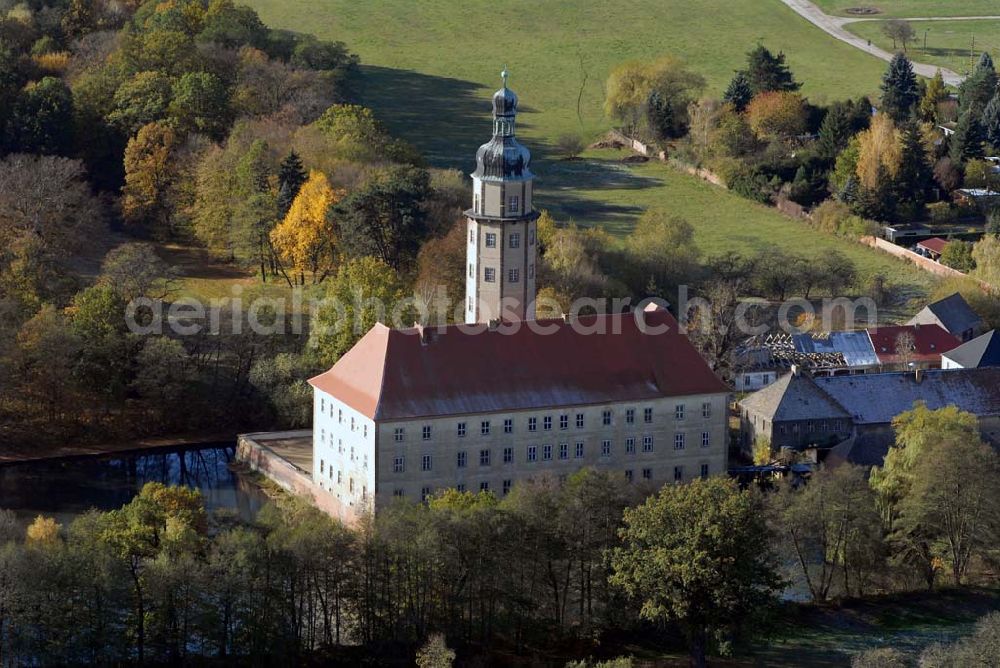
<point>569,145</point>
<point>942,212</point>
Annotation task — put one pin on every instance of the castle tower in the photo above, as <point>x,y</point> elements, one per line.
<point>502,244</point>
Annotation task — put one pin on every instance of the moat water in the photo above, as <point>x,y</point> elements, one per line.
<point>66,488</point>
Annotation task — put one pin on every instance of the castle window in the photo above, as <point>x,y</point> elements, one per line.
<point>564,451</point>
<point>508,455</point>
<point>647,415</point>
<point>460,487</point>
<point>630,416</point>
<point>472,270</point>
<point>398,464</point>
<point>484,428</point>
<point>484,457</point>
<point>564,422</point>
<point>340,476</point>
<point>647,443</point>
<point>546,453</point>
<point>606,418</point>
<point>425,463</point>
<point>547,422</point>
<point>531,270</point>
<point>322,405</point>
<point>679,441</point>
<point>630,445</point>
<point>470,303</point>
<point>491,240</point>
<point>460,459</point>
<point>398,493</point>
<point>506,487</point>
<point>579,420</point>
<point>647,474</point>
<point>461,429</point>
<point>340,416</point>
<point>679,412</point>
<point>484,486</point>
<point>513,202</point>
<point>475,202</point>
<point>579,451</point>
<point>426,432</point>
<point>704,471</point>
<point>508,426</point>
<point>628,475</point>
<point>350,485</point>
<point>706,439</point>
<point>532,453</point>
<point>605,448</point>
<point>513,275</point>
<point>399,434</point>
<point>472,235</point>
<point>706,410</point>
<point>515,240</point>
<point>490,275</point>
<point>532,424</point>
<point>531,237</point>
<point>424,493</point>
<point>678,473</point>
<point>322,465</point>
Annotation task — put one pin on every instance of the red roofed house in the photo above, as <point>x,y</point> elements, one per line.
<point>932,248</point>
<point>911,345</point>
<point>407,412</point>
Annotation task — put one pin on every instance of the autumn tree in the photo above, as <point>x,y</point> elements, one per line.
<point>672,88</point>
<point>986,254</point>
<point>627,91</point>
<point>957,254</point>
<point>441,272</point>
<point>306,238</point>
<point>879,147</point>
<point>777,114</point>
<point>662,252</point>
<point>934,94</point>
<point>705,575</point>
<point>135,270</point>
<point>149,172</point>
<point>900,92</point>
<point>141,100</point>
<point>200,103</point>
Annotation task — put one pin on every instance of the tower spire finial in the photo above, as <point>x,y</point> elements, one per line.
<point>504,75</point>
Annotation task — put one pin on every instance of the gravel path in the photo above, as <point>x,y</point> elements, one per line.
<point>834,25</point>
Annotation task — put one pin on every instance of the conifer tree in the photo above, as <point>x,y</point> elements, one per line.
<point>835,130</point>
<point>291,176</point>
<point>967,142</point>
<point>980,86</point>
<point>900,91</point>
<point>991,121</point>
<point>738,93</point>
<point>915,173</point>
<point>766,72</point>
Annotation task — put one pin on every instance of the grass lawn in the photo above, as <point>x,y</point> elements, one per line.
<point>949,43</point>
<point>431,66</point>
<point>914,8</point>
<point>601,190</point>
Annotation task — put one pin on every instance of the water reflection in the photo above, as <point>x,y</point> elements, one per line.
<point>66,488</point>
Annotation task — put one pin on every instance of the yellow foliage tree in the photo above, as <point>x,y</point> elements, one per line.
<point>43,532</point>
<point>879,146</point>
<point>306,239</point>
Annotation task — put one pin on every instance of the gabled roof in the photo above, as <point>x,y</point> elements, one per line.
<point>952,312</point>
<point>879,397</point>
<point>981,351</point>
<point>929,341</point>
<point>792,397</point>
<point>393,374</point>
<point>935,244</point>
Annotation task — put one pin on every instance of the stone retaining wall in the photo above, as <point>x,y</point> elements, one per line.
<point>252,450</point>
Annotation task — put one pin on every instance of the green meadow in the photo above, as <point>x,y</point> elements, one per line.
<point>914,8</point>
<point>952,44</point>
<point>430,68</point>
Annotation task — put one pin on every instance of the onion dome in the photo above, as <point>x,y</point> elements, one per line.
<point>503,158</point>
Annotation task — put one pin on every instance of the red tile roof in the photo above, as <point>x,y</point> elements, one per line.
<point>935,244</point>
<point>929,342</point>
<point>395,374</point>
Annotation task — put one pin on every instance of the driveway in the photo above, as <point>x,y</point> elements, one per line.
<point>834,25</point>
